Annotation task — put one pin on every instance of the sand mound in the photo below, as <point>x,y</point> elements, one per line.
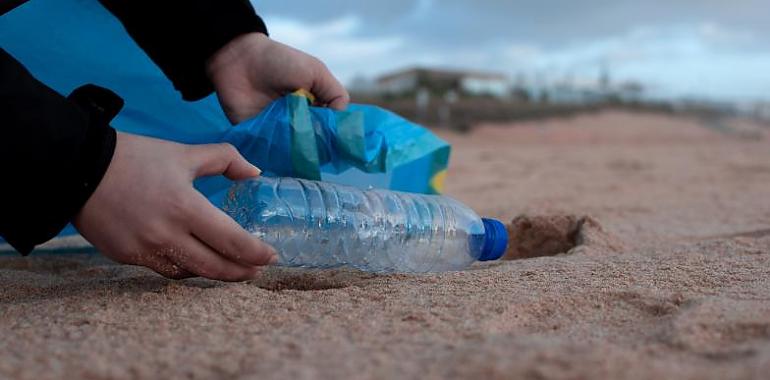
<point>548,235</point>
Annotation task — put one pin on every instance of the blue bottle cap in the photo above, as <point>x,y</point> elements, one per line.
<point>495,240</point>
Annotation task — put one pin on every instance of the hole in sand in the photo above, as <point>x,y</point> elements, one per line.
<point>278,279</point>
<point>548,235</point>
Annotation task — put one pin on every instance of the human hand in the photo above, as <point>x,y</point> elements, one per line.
<point>252,70</point>
<point>146,212</point>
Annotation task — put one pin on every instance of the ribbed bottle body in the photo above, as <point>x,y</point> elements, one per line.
<point>322,225</point>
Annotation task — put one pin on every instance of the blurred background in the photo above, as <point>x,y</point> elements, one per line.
<point>454,63</point>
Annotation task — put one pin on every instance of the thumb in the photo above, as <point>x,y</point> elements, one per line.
<point>328,89</point>
<point>214,159</point>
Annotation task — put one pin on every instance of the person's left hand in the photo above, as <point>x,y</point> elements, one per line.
<point>252,70</point>
<point>146,212</point>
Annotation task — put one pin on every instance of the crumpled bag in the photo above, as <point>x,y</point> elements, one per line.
<point>364,146</point>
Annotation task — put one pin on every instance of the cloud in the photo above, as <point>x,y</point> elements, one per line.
<point>550,23</point>
<point>685,60</point>
<point>421,10</point>
<point>336,43</point>
<point>719,35</point>
<point>704,47</point>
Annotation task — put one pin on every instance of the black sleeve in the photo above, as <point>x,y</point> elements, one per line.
<point>181,35</point>
<point>53,153</point>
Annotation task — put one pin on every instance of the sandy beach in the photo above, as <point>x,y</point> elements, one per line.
<point>640,249</point>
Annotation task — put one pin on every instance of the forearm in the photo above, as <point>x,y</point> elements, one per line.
<point>53,153</point>
<point>181,35</point>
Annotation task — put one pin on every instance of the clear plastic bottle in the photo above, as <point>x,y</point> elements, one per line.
<point>322,225</point>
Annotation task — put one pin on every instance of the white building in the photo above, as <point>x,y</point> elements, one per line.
<point>485,84</point>
<point>443,81</point>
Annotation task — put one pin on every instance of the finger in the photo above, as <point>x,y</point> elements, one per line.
<point>213,159</point>
<point>328,90</point>
<point>199,259</point>
<point>219,231</point>
<point>168,269</point>
<point>158,262</point>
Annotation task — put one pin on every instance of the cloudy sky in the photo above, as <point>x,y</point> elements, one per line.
<point>706,48</point>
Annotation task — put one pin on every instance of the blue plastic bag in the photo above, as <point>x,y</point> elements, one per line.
<point>293,139</point>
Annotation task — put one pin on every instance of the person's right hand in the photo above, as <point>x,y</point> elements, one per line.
<point>252,70</point>
<point>146,212</point>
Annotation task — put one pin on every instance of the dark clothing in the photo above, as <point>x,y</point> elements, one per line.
<point>180,35</point>
<point>53,154</point>
<point>54,150</point>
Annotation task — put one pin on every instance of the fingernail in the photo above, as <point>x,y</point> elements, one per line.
<point>273,260</point>
<point>259,171</point>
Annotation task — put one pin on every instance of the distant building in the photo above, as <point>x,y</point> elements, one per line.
<point>362,85</point>
<point>630,91</point>
<point>576,91</point>
<point>587,91</point>
<point>444,81</point>
<point>762,111</point>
